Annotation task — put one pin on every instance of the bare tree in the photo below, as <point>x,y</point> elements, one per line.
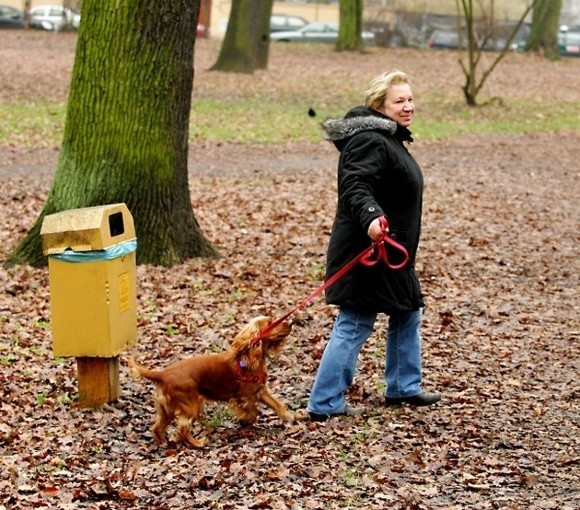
<point>476,42</point>
<point>127,127</point>
<point>246,44</point>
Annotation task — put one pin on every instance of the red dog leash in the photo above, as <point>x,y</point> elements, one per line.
<point>378,251</point>
<point>370,256</point>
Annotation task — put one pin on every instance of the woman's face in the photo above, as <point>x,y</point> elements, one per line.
<point>399,105</point>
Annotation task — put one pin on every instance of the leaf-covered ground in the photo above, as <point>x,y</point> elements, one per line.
<point>499,265</point>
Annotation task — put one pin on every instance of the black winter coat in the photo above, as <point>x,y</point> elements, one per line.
<point>376,176</point>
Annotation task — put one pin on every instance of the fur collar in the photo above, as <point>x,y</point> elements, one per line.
<point>340,129</point>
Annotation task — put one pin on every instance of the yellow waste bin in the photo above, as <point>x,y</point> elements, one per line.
<point>92,272</point>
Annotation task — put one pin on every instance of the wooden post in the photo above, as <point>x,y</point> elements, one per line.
<point>98,380</point>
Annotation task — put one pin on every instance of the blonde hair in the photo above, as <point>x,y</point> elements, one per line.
<point>379,87</point>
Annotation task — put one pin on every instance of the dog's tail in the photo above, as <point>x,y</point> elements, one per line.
<point>138,371</point>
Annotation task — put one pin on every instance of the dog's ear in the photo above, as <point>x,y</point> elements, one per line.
<point>251,358</point>
<point>254,357</point>
<point>240,342</point>
<point>250,331</point>
<point>244,343</point>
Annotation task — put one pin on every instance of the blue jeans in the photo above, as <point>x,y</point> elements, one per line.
<point>338,364</point>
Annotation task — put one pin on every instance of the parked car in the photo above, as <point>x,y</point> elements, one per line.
<point>278,23</point>
<point>384,35</point>
<point>285,22</point>
<point>320,31</point>
<point>446,39</point>
<point>569,41</point>
<point>11,17</point>
<point>54,18</point>
<point>502,32</point>
<point>450,38</point>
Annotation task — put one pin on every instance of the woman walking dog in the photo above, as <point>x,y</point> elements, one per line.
<point>379,184</point>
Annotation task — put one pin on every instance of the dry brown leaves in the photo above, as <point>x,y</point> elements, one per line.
<point>500,270</point>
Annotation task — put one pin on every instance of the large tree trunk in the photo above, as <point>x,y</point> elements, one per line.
<point>350,27</point>
<point>126,130</point>
<point>247,41</point>
<point>543,37</point>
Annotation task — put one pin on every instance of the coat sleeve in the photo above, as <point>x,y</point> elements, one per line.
<point>361,169</point>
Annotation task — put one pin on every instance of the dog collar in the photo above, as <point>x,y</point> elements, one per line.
<point>243,377</point>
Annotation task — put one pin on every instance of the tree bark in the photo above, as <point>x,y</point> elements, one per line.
<point>543,36</point>
<point>127,126</point>
<point>262,42</point>
<point>246,44</point>
<point>350,27</point>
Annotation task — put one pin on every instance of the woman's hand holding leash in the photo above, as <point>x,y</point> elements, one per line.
<point>378,231</point>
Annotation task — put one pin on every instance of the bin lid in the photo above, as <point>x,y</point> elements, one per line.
<point>87,229</point>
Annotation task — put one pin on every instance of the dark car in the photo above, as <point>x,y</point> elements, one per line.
<point>286,23</point>
<point>11,17</point>
<point>569,41</point>
<point>384,35</point>
<point>501,34</point>
<point>495,41</point>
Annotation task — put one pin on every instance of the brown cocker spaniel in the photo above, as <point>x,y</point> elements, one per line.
<point>237,376</point>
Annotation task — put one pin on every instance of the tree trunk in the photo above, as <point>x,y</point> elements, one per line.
<point>543,37</point>
<point>26,6</point>
<point>127,126</point>
<point>262,43</point>
<point>350,26</point>
<point>246,44</point>
<point>470,87</point>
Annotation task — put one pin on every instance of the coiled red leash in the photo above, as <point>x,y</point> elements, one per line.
<point>378,250</point>
<point>371,256</point>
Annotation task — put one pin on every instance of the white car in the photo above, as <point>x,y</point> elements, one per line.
<point>319,31</point>
<point>54,18</point>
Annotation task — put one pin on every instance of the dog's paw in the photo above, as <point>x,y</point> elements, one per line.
<point>301,415</point>
<point>197,443</point>
<point>189,440</point>
<point>288,416</point>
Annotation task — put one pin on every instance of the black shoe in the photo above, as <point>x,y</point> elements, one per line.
<point>424,398</point>
<point>347,411</point>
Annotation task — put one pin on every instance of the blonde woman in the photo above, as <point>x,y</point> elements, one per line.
<point>377,179</point>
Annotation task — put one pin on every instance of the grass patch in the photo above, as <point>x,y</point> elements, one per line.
<point>269,121</point>
<point>443,120</point>
<point>41,124</point>
<point>251,121</point>
<point>32,123</point>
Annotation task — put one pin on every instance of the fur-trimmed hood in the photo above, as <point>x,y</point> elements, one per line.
<point>360,119</point>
